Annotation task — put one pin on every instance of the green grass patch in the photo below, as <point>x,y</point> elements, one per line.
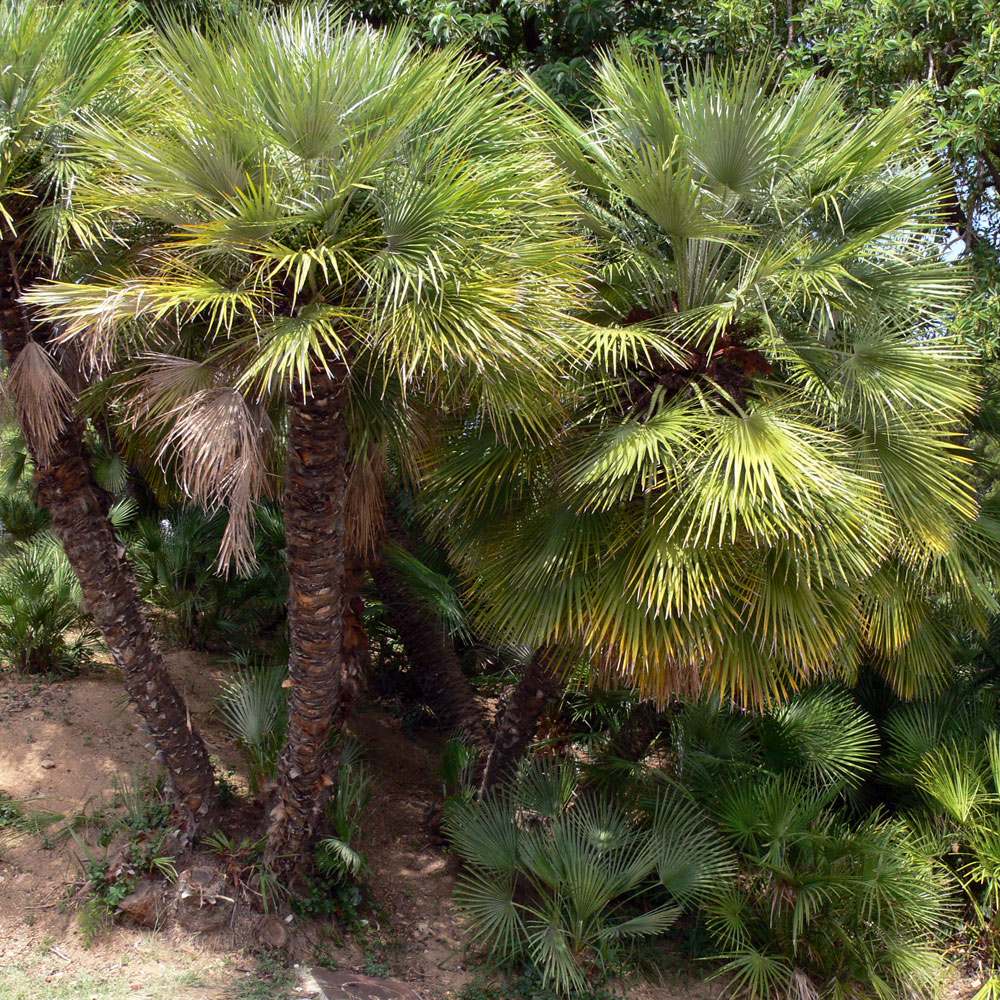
<point>269,980</point>
<point>21,983</point>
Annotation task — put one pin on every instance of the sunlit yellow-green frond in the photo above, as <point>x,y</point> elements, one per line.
<point>776,489</point>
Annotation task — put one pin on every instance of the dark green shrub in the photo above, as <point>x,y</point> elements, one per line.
<point>176,565</point>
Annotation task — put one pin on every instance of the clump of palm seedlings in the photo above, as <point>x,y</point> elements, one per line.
<point>754,823</point>
<point>566,878</point>
<point>253,706</point>
<point>43,625</point>
<point>826,905</point>
<point>943,765</point>
<point>337,856</point>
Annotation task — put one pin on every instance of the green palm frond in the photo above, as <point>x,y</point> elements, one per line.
<point>254,709</point>
<point>759,974</point>
<point>774,489</point>
<point>488,898</point>
<point>335,857</point>
<point>546,786</point>
<point>831,738</point>
<point>251,705</point>
<point>485,833</point>
<point>726,914</point>
<point>693,863</point>
<point>914,729</point>
<point>953,778</point>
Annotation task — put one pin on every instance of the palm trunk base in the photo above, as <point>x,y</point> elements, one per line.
<point>540,684</point>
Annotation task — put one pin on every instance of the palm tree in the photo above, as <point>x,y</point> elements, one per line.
<point>337,229</point>
<point>61,61</point>
<point>771,487</point>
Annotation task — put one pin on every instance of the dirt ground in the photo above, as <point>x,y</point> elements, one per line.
<point>64,745</point>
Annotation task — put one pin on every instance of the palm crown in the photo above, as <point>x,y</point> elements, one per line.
<point>315,196</point>
<point>60,61</point>
<point>773,485</point>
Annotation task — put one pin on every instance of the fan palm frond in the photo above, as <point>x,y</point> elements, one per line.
<point>744,504</point>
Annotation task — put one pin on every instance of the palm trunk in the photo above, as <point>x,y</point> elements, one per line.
<point>432,656</point>
<point>632,743</point>
<point>354,646</point>
<point>315,484</point>
<point>79,509</point>
<point>540,684</point>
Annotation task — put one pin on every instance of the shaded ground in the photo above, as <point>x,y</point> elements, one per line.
<point>63,746</point>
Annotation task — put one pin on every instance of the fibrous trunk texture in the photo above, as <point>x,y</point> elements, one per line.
<point>540,684</point>
<point>315,483</point>
<point>65,484</point>
<point>431,654</point>
<point>632,743</point>
<point>354,646</point>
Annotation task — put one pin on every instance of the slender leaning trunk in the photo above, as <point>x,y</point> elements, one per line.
<point>315,485</point>
<point>540,684</point>
<point>65,484</point>
<point>79,520</point>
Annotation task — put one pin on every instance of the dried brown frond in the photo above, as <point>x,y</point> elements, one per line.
<point>364,503</point>
<point>41,399</point>
<point>221,442</point>
<point>674,676</point>
<point>162,387</point>
<point>803,987</point>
